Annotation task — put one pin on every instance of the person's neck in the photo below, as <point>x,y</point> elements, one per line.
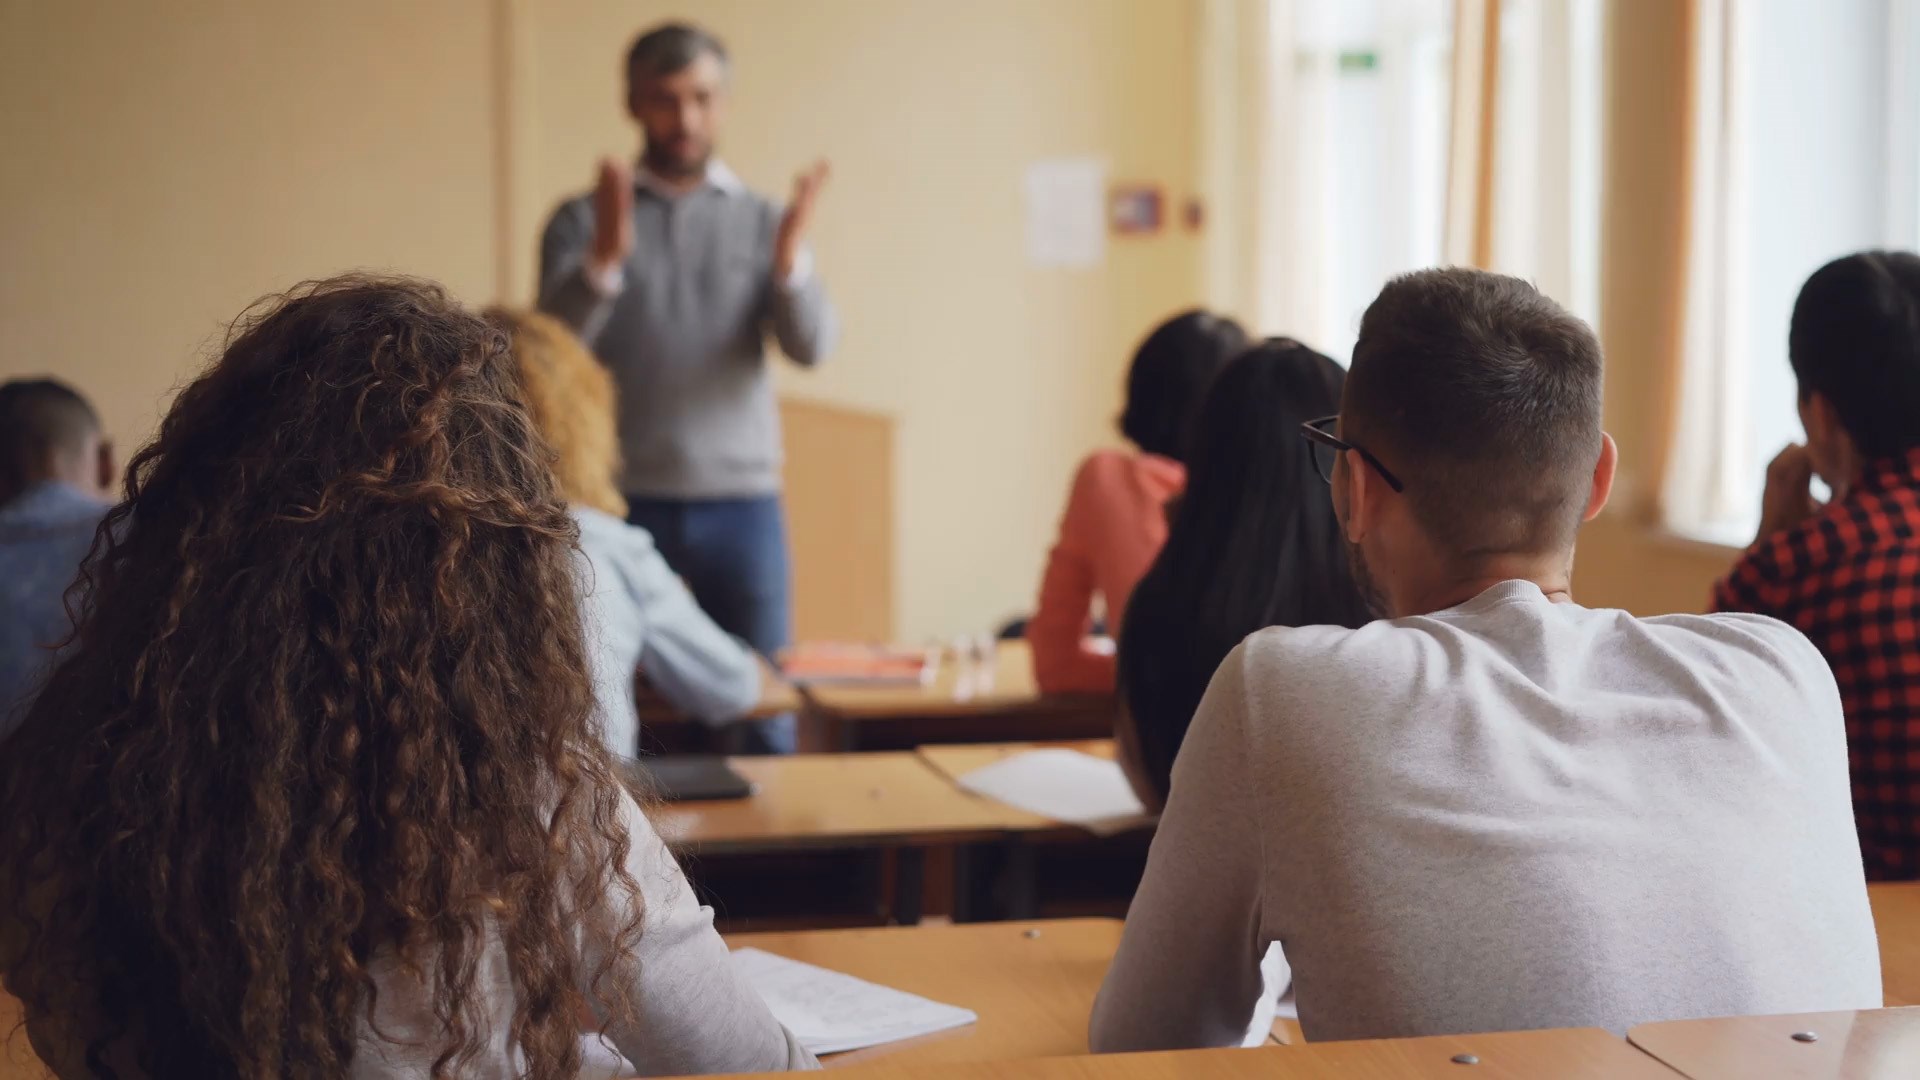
<point>1552,573</point>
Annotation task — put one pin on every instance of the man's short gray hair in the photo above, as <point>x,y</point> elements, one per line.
<point>669,48</point>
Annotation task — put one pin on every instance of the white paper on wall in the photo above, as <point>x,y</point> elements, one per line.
<point>1066,212</point>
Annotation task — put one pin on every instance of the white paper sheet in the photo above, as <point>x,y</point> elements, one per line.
<point>1066,212</point>
<point>829,1011</point>
<point>1065,785</point>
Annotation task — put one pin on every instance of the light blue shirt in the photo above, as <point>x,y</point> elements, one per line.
<point>44,535</point>
<point>639,616</point>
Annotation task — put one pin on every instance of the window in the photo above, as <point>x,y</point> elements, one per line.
<point>1546,200</point>
<point>1812,149</point>
<point>1332,154</point>
<point>1366,126</point>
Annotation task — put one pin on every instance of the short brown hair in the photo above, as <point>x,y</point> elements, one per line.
<point>668,49</point>
<point>329,695</point>
<point>1483,396</point>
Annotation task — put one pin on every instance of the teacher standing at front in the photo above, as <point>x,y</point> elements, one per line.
<point>675,274</point>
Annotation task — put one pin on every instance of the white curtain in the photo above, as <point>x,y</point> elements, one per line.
<point>1804,129</point>
<point>1547,164</point>
<point>1705,481</point>
<point>1322,141</point>
<point>1341,144</point>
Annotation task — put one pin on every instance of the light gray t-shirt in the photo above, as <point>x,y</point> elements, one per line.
<point>1511,814</point>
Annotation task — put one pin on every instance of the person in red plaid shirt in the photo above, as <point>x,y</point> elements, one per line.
<point>1847,573</point>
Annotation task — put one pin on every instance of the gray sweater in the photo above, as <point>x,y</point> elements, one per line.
<point>685,337</point>
<point>1511,814</point>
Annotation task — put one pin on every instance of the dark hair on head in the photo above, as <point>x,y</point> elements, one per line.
<point>1170,372</point>
<point>39,419</point>
<point>1253,543</point>
<point>329,697</point>
<point>1483,397</point>
<point>668,49</point>
<point>1855,340</point>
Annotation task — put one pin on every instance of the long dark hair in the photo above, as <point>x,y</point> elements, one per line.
<point>1253,543</point>
<point>1169,375</point>
<point>329,696</point>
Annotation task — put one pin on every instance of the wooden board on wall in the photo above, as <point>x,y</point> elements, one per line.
<point>839,486</point>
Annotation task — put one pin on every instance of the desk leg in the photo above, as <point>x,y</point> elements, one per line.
<point>1021,877</point>
<point>909,885</point>
<point>966,869</point>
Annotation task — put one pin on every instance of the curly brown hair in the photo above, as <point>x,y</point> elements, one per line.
<point>328,696</point>
<point>571,397</point>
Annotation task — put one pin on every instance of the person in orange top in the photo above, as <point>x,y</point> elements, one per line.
<point>1116,518</point>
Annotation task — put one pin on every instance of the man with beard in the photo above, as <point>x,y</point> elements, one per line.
<point>1494,809</point>
<point>676,274</point>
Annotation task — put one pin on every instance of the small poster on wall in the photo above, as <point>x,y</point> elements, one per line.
<point>1136,209</point>
<point>1066,212</point>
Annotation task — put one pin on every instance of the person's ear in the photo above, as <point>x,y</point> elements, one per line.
<point>1822,422</point>
<point>1814,412</point>
<point>1835,457</point>
<point>1603,471</point>
<point>106,467</point>
<point>1355,484</point>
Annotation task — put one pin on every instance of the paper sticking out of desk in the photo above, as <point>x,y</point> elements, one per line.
<point>1065,785</point>
<point>829,1011</point>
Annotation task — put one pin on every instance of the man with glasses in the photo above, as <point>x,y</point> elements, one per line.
<point>1494,809</point>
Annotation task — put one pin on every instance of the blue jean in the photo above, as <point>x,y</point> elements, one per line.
<point>733,555</point>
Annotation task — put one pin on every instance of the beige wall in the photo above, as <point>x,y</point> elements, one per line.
<point>999,374</point>
<point>166,165</point>
<point>170,162</point>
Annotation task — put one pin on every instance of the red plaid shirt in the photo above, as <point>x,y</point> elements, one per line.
<point>1849,579</point>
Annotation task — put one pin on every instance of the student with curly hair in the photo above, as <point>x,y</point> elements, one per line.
<point>315,792</point>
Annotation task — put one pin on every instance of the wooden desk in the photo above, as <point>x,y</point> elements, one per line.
<point>840,800</point>
<point>1032,983</point>
<point>1569,1054</point>
<point>1078,874</point>
<point>954,760</point>
<point>963,704</point>
<point>1878,1044</point>
<point>892,805</point>
<point>666,730</point>
<point>1896,914</point>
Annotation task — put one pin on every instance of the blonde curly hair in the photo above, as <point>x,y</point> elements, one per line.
<point>571,397</point>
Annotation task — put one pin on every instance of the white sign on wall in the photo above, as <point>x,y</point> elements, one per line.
<point>1066,212</point>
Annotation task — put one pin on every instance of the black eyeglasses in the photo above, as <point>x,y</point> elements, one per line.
<point>1327,447</point>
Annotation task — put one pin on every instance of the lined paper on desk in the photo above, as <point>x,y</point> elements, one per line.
<point>1065,785</point>
<point>829,1011</point>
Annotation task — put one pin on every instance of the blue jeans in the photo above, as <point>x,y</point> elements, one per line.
<point>733,555</point>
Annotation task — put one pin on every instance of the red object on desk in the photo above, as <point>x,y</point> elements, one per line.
<point>827,662</point>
